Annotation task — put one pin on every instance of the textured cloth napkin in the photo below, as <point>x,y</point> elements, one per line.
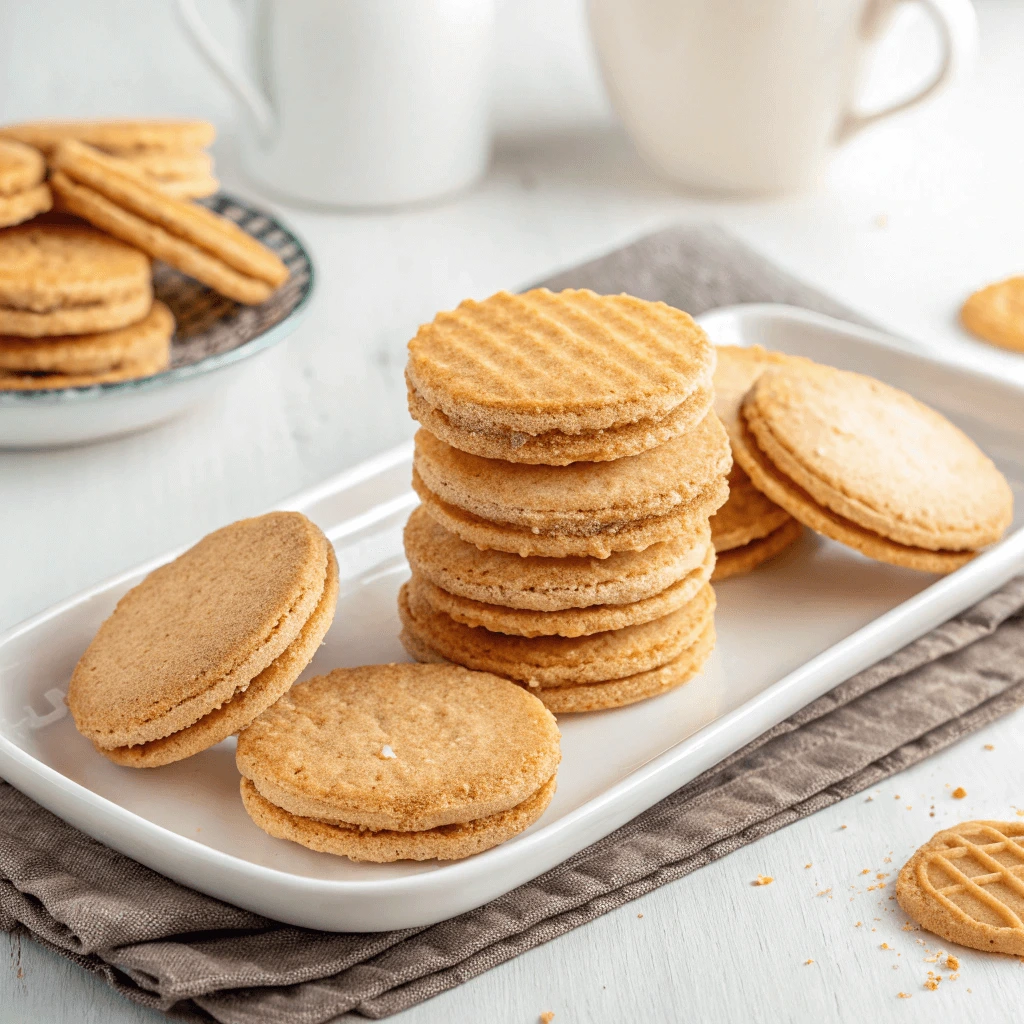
<point>168,947</point>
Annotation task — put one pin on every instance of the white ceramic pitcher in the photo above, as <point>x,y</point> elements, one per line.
<point>361,102</point>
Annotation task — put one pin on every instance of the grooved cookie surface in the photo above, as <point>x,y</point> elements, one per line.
<point>879,458</point>
<point>966,884</point>
<point>402,747</point>
<point>585,497</point>
<point>556,448</point>
<point>546,584</point>
<point>570,361</point>
<point>195,631</point>
<point>737,561</point>
<point>569,622</point>
<point>115,136</point>
<point>383,846</point>
<point>996,314</point>
<point>21,167</point>
<point>145,341</point>
<point>247,702</point>
<point>50,267</point>
<point>556,660</point>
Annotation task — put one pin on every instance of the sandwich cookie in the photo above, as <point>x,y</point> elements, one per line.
<point>555,378</point>
<point>60,279</point>
<point>871,467</point>
<point>400,762</point>
<point>207,642</point>
<point>544,661</point>
<point>115,136</point>
<point>746,558</point>
<point>190,237</point>
<point>966,884</point>
<point>23,193</point>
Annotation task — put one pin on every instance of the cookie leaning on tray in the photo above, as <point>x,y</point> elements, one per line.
<point>558,430</point>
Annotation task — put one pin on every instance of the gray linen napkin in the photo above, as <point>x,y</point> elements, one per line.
<point>168,947</point>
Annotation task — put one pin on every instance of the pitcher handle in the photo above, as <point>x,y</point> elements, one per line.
<point>957,25</point>
<point>243,88</point>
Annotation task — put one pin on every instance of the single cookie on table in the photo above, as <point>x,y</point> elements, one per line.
<point>548,584</point>
<point>871,467</point>
<point>996,314</point>
<point>195,240</point>
<point>147,342</point>
<point>207,642</point>
<point>583,499</point>
<point>556,378</point>
<point>966,884</point>
<point>567,622</point>
<point>400,762</point>
<point>114,136</point>
<point>553,660</point>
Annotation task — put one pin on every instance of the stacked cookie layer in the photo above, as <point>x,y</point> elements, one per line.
<point>568,466</point>
<point>23,192</point>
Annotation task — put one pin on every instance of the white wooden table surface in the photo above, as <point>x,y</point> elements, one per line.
<point>912,217</point>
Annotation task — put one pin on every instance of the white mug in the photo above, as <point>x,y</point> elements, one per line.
<point>749,96</point>
<point>361,102</point>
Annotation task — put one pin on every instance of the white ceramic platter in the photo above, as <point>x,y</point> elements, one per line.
<point>787,634</point>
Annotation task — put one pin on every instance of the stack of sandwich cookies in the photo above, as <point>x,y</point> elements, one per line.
<point>749,528</point>
<point>206,643</point>
<point>198,242</point>
<point>170,154</point>
<point>400,762</point>
<point>870,467</point>
<point>563,538</point>
<point>23,192</point>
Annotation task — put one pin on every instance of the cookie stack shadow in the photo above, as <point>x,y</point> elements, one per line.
<point>568,464</point>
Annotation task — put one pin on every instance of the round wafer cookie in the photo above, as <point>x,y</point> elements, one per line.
<point>170,164</point>
<point>570,361</point>
<point>568,622</point>
<point>618,693</point>
<point>249,701</point>
<point>747,516</point>
<point>637,535</point>
<point>23,206</point>
<point>198,630</point>
<point>996,314</point>
<point>547,584</point>
<point>384,846</point>
<point>130,370</point>
<point>48,268</point>
<point>966,884</point>
<point>556,448</point>
<point>21,167</point>
<point>115,136</point>
<point>401,747</point>
<point>146,341</point>
<point>585,497</point>
<point>554,660</point>
<point>737,561</point>
<point>879,458</point>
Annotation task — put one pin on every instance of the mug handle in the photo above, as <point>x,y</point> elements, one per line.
<point>243,88</point>
<point>957,25</point>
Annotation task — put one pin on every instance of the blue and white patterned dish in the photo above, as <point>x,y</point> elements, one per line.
<point>213,336</point>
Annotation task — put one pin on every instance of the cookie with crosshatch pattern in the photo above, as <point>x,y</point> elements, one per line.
<point>966,884</point>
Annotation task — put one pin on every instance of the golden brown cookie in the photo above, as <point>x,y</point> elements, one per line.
<point>966,884</point>
<point>395,762</point>
<point>129,370</point>
<point>197,241</point>
<point>567,622</point>
<point>47,268</point>
<point>114,136</point>
<point>871,456</point>
<point>554,660</point>
<point>23,206</point>
<point>618,693</point>
<point>685,522</point>
<point>186,175</point>
<point>586,497</point>
<point>146,341</point>
<point>737,561</point>
<point>21,167</point>
<point>547,584</point>
<point>556,448</point>
<point>568,361</point>
<point>196,632</point>
<point>747,516</point>
<point>996,314</point>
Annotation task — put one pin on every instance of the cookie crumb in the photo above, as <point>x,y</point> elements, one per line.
<point>806,962</point>
<point>959,793</point>
<point>807,865</point>
<point>902,995</point>
<point>547,1017</point>
<point>989,746</point>
<point>826,892</point>
<point>884,945</point>
<point>639,915</point>
<point>763,880</point>
<point>952,963</point>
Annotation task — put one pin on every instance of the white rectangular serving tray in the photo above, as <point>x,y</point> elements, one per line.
<point>786,634</point>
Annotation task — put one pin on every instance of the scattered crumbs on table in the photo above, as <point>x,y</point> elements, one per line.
<point>909,927</point>
<point>882,874</point>
<point>885,945</point>
<point>858,924</point>
<point>887,860</point>
<point>934,959</point>
<point>896,797</point>
<point>989,746</point>
<point>869,799</point>
<point>909,808</point>
<point>959,793</point>
<point>952,963</point>
<point>763,880</point>
<point>866,871</point>
<point>547,1017</point>
<point>1020,811</point>
<point>954,976</point>
<point>932,981</point>
<point>841,827</point>
<point>968,990</point>
<point>807,865</point>
<point>895,967</point>
<point>826,892</point>
<point>902,995</point>
<point>639,916</point>
<point>806,962</point>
